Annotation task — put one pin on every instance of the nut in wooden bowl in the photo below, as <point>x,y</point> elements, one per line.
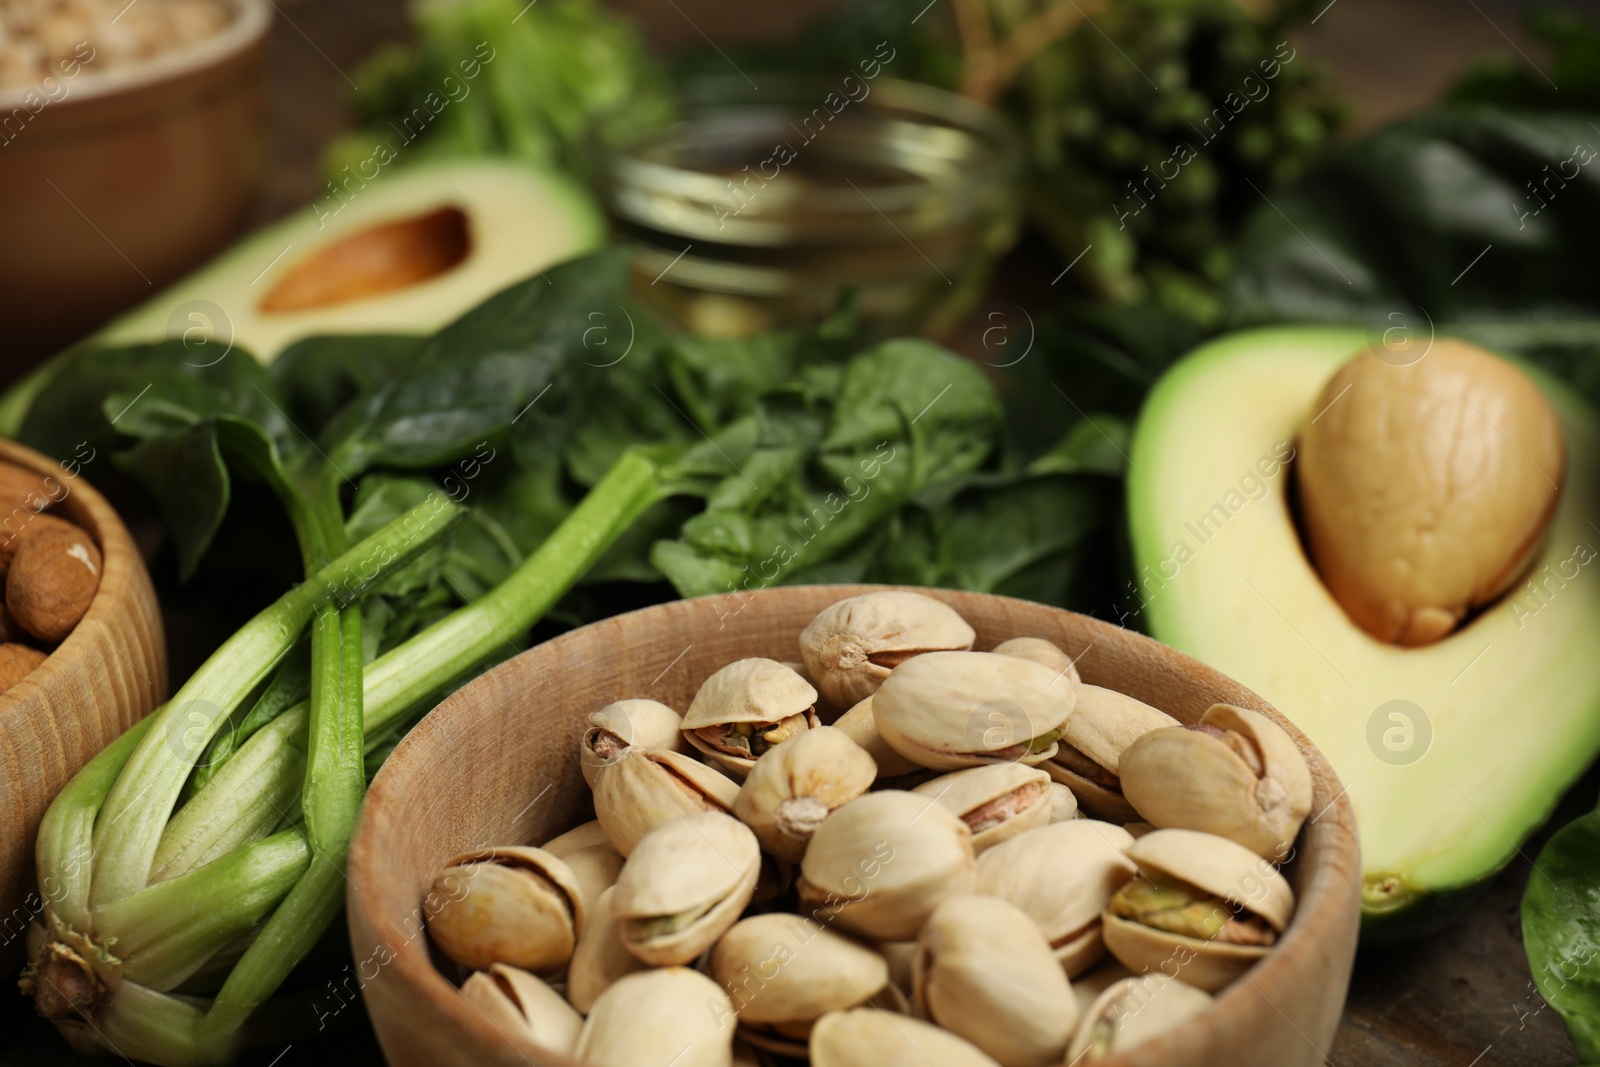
<point>497,763</point>
<point>83,655</point>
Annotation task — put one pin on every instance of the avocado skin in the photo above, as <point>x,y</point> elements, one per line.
<point>1426,912</point>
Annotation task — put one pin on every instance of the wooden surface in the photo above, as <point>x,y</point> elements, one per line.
<point>497,763</point>
<point>109,673</point>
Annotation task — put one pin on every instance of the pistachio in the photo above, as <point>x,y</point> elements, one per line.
<point>516,1002</point>
<point>866,1037</point>
<point>1426,491</point>
<point>600,958</point>
<point>863,730</point>
<point>948,710</point>
<point>1133,1010</point>
<point>684,885</point>
<point>1087,987</point>
<point>672,1017</point>
<point>1103,724</point>
<point>746,708</point>
<point>596,869</point>
<point>794,786</point>
<point>1046,653</point>
<point>880,864</point>
<point>1062,876</point>
<point>1204,911</point>
<point>851,646</point>
<point>584,835</point>
<point>784,972</point>
<point>647,787</point>
<point>518,906</point>
<point>984,972</point>
<point>1236,774</point>
<point>997,802</point>
<point>1063,804</point>
<point>618,726</point>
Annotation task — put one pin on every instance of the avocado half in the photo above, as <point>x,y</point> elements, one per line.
<point>489,223</point>
<point>1451,753</point>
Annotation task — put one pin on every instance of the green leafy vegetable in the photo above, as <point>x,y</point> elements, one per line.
<point>1561,929</point>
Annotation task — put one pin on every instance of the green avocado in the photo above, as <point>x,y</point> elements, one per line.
<point>504,221</point>
<point>1451,753</point>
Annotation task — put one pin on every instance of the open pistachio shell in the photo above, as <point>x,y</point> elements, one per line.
<point>1133,1010</point>
<point>1236,774</point>
<point>600,958</point>
<point>984,972</point>
<point>859,725</point>
<point>1062,876</point>
<point>745,709</point>
<point>518,906</point>
<point>673,1017</point>
<point>1063,804</point>
<point>625,723</point>
<point>1087,987</point>
<point>1103,724</point>
<point>646,787</point>
<point>1205,911</point>
<point>880,864</point>
<point>997,802</point>
<point>684,885</point>
<point>516,1002</point>
<point>851,646</point>
<point>866,1037</point>
<point>784,972</point>
<point>795,785</point>
<point>584,835</point>
<point>949,710</point>
<point>1046,653</point>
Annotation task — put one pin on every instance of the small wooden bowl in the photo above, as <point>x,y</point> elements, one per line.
<point>107,675</point>
<point>497,763</point>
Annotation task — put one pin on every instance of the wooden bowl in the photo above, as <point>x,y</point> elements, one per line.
<point>497,763</point>
<point>107,675</point>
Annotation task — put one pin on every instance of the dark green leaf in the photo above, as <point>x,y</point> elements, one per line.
<point>1561,929</point>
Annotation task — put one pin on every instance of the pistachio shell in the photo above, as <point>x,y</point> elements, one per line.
<point>948,710</point>
<point>880,864</point>
<point>1062,877</point>
<point>617,726</point>
<point>748,692</point>
<point>1045,653</point>
<point>1238,775</point>
<point>851,646</point>
<point>1063,804</point>
<point>673,1017</point>
<point>984,972</point>
<point>794,786</point>
<point>1103,724</point>
<point>859,724</point>
<point>596,869</point>
<point>899,955</point>
<point>519,906</point>
<point>516,1002</point>
<point>684,885</point>
<point>1087,987</point>
<point>783,972</point>
<point>1223,868</point>
<point>1207,965</point>
<point>1132,1010</point>
<point>584,835</point>
<point>600,958</point>
<point>647,787</point>
<point>997,801</point>
<point>866,1037</point>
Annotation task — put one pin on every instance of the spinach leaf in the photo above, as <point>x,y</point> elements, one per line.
<point>1473,221</point>
<point>320,375</point>
<point>1561,929</point>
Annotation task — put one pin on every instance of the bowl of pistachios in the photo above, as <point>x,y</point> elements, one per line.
<point>855,827</point>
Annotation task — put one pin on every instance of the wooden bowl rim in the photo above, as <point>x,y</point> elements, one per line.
<point>95,515</point>
<point>1320,909</point>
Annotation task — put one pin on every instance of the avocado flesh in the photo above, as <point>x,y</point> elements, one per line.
<point>519,220</point>
<point>1513,698</point>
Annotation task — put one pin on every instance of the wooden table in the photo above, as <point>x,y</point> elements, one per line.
<point>1461,998</point>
